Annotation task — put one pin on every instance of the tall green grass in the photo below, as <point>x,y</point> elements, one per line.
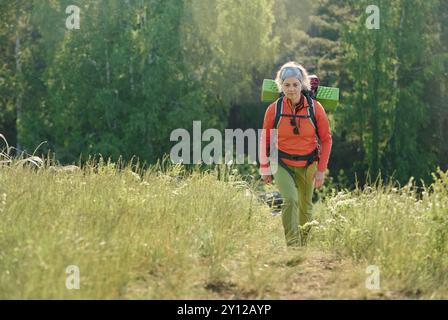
<point>171,232</point>
<point>403,232</point>
<point>154,234</point>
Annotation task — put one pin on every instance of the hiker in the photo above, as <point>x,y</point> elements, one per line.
<point>303,150</point>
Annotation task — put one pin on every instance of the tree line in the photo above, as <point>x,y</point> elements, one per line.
<point>137,69</point>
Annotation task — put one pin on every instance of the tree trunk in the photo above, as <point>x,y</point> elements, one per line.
<point>131,74</point>
<point>19,98</point>
<point>107,67</point>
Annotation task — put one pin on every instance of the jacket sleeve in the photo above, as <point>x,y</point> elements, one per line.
<point>265,140</point>
<point>323,126</point>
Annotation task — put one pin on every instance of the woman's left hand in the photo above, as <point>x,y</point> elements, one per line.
<point>319,178</point>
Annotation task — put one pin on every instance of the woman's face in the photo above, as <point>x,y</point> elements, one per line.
<point>292,88</point>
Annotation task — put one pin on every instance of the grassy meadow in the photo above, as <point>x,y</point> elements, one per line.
<point>165,233</point>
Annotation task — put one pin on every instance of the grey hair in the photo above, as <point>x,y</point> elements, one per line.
<point>292,69</point>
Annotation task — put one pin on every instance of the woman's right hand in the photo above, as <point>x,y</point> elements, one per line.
<point>267,179</point>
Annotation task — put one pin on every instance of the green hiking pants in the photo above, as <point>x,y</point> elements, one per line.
<point>296,188</point>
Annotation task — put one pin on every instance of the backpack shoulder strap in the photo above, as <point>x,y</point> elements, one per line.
<point>311,108</point>
<point>278,111</point>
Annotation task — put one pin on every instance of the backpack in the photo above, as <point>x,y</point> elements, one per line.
<point>315,154</point>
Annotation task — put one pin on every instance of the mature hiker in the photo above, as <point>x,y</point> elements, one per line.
<point>303,143</point>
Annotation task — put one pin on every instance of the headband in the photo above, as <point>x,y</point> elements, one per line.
<point>291,72</point>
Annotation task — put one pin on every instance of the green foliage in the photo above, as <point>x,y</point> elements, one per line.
<point>387,71</point>
<point>136,70</point>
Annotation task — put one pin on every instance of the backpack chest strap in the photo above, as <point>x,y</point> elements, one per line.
<point>294,116</point>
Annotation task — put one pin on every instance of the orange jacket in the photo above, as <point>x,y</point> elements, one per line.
<point>303,143</point>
